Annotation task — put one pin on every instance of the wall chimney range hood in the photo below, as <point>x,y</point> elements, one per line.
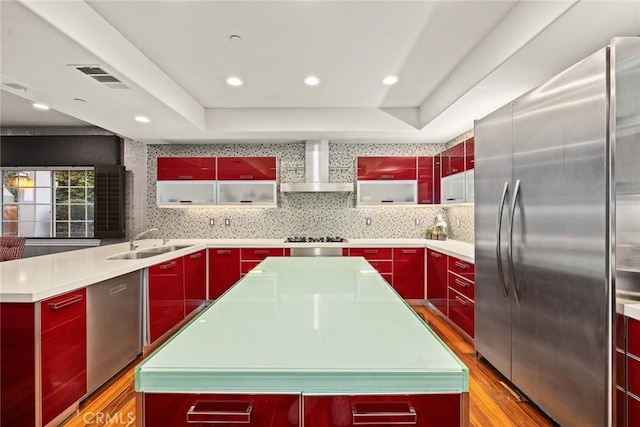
<point>316,169</point>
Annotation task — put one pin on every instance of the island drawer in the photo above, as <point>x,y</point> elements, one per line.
<point>258,254</point>
<point>465,287</point>
<point>191,410</point>
<point>422,410</point>
<point>372,253</point>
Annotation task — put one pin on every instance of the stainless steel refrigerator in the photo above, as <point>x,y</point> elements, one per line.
<point>557,187</point>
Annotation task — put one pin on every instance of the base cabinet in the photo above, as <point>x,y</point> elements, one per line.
<point>266,410</point>
<point>195,280</point>
<point>437,279</point>
<point>627,371</point>
<point>166,297</point>
<point>192,410</point>
<point>224,270</point>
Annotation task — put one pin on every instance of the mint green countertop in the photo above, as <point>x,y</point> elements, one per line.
<point>306,325</point>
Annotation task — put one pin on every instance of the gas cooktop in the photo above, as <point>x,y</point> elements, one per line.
<point>315,239</point>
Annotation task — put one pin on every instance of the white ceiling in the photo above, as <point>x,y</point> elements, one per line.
<point>457,61</point>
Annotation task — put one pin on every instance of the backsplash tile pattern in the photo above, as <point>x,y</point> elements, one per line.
<point>300,214</point>
<point>460,221</point>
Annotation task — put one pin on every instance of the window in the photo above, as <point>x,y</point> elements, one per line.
<point>51,202</point>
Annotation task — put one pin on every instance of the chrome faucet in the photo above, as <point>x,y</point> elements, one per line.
<point>133,245</point>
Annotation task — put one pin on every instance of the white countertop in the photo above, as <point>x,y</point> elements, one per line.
<point>37,278</point>
<point>306,325</point>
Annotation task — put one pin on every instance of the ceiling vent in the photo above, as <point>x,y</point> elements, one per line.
<point>100,75</point>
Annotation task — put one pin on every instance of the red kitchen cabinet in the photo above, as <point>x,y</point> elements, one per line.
<point>372,253</point>
<point>437,178</point>
<point>462,268</point>
<point>224,270</point>
<point>453,160</point>
<point>195,280</point>
<point>421,410</point>
<point>176,410</point>
<point>633,411</point>
<point>633,337</point>
<point>437,280</point>
<point>469,154</point>
<point>460,285</point>
<point>258,254</point>
<point>386,168</point>
<point>247,168</point>
<point>408,272</point>
<point>461,311</point>
<point>186,168</point>
<point>166,297</point>
<point>426,180</point>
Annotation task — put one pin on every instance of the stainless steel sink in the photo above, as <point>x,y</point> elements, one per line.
<point>148,252</point>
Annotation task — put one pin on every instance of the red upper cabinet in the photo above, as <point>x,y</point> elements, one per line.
<point>437,175</point>
<point>389,168</point>
<point>468,154</point>
<point>186,168</point>
<point>453,160</point>
<point>247,168</point>
<point>425,180</point>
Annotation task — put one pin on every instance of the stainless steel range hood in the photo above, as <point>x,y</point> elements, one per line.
<point>316,169</point>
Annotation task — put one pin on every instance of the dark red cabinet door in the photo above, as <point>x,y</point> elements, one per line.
<point>437,176</point>
<point>247,168</point>
<point>166,297</point>
<point>390,168</point>
<point>408,272</point>
<point>63,352</point>
<point>468,154</point>
<point>423,410</point>
<point>437,280</point>
<point>462,268</point>
<point>633,411</point>
<point>633,336</point>
<point>425,180</point>
<point>184,410</point>
<point>186,168</point>
<point>195,280</point>
<point>461,311</point>
<point>453,160</point>
<point>224,270</point>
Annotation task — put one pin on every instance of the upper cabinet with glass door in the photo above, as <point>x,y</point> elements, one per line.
<point>186,181</point>
<point>387,180</point>
<point>249,181</point>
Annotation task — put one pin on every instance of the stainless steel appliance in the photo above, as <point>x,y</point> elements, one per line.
<point>553,171</point>
<point>114,327</point>
<point>316,250</point>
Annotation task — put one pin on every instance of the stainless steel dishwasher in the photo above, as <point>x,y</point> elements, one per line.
<point>114,326</point>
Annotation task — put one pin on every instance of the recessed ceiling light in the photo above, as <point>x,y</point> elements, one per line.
<point>40,106</point>
<point>234,81</point>
<point>390,80</point>
<point>142,119</point>
<point>311,81</point>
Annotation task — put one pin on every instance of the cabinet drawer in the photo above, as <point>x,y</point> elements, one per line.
<point>633,336</point>
<point>372,253</point>
<point>63,308</point>
<point>408,254</point>
<point>461,311</point>
<point>186,168</point>
<point>173,267</point>
<point>424,410</point>
<point>258,254</point>
<point>188,410</point>
<point>633,376</point>
<point>382,266</point>
<point>247,266</point>
<point>462,268</point>
<point>463,286</point>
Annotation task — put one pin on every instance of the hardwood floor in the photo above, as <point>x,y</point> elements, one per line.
<point>491,403</point>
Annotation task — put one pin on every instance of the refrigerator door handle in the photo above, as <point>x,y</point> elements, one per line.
<point>498,233</point>
<point>512,272</point>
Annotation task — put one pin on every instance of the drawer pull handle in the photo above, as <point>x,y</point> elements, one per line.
<point>168,265</point>
<point>117,289</point>
<point>386,176</point>
<point>370,251</point>
<point>261,251</point>
<point>185,177</point>
<point>462,283</point>
<point>383,413</point>
<point>66,302</point>
<point>436,255</point>
<point>186,201</point>
<point>461,265</point>
<point>195,256</point>
<point>246,176</point>
<point>461,301</point>
<point>220,412</point>
<point>386,201</point>
<point>223,251</point>
<point>409,251</point>
<point>246,201</point>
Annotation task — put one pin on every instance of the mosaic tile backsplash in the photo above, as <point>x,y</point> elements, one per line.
<point>299,214</point>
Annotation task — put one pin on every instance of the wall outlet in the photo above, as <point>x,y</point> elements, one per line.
<point>212,221</point>
<point>227,222</point>
<point>367,221</point>
<point>418,221</point>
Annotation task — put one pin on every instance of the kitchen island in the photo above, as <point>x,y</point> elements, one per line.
<point>305,341</point>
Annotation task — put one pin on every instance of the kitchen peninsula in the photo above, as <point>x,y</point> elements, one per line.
<point>319,341</point>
